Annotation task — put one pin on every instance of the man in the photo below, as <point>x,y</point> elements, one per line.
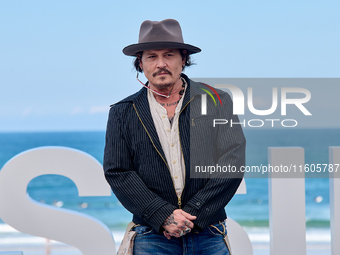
<point>155,138</point>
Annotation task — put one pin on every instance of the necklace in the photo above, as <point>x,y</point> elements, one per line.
<point>181,93</point>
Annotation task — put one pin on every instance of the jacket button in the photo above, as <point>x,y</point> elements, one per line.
<point>198,203</point>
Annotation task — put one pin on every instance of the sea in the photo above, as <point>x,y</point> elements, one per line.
<point>250,210</point>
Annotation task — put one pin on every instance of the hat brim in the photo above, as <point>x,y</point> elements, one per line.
<point>133,49</point>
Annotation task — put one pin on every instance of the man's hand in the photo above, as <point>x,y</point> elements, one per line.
<point>178,223</point>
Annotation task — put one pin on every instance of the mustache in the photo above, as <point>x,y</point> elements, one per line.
<point>162,70</point>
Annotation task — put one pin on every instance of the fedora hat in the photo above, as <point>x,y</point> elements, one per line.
<point>165,34</point>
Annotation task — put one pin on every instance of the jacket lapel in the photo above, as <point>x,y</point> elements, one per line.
<point>143,110</point>
<point>142,107</point>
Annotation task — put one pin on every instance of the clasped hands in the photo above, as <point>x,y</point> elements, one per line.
<point>178,224</point>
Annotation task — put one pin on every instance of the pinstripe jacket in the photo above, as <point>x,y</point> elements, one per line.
<point>137,171</point>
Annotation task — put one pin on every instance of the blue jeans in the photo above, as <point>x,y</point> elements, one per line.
<point>207,242</point>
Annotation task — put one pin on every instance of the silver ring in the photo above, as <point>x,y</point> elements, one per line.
<point>181,234</point>
<point>187,230</point>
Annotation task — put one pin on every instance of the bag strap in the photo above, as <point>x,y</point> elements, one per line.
<point>130,226</point>
<point>225,236</point>
<point>219,231</point>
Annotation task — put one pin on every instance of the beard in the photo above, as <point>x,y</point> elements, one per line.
<point>162,86</point>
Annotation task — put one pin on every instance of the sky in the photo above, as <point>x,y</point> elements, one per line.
<point>62,66</point>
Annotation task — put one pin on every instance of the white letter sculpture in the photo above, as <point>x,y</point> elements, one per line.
<point>23,213</point>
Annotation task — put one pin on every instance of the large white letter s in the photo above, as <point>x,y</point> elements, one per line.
<point>23,213</point>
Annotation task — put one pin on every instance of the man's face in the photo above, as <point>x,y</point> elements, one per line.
<point>162,68</point>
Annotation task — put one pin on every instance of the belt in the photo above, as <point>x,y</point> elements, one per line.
<point>197,229</point>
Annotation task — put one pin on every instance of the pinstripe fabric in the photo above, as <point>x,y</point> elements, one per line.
<point>136,169</point>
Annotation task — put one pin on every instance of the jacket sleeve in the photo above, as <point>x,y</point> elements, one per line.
<point>219,190</point>
<point>126,184</point>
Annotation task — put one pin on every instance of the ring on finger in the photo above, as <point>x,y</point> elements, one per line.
<point>181,234</point>
<point>187,230</point>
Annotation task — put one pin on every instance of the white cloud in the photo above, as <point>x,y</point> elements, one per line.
<point>99,109</point>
